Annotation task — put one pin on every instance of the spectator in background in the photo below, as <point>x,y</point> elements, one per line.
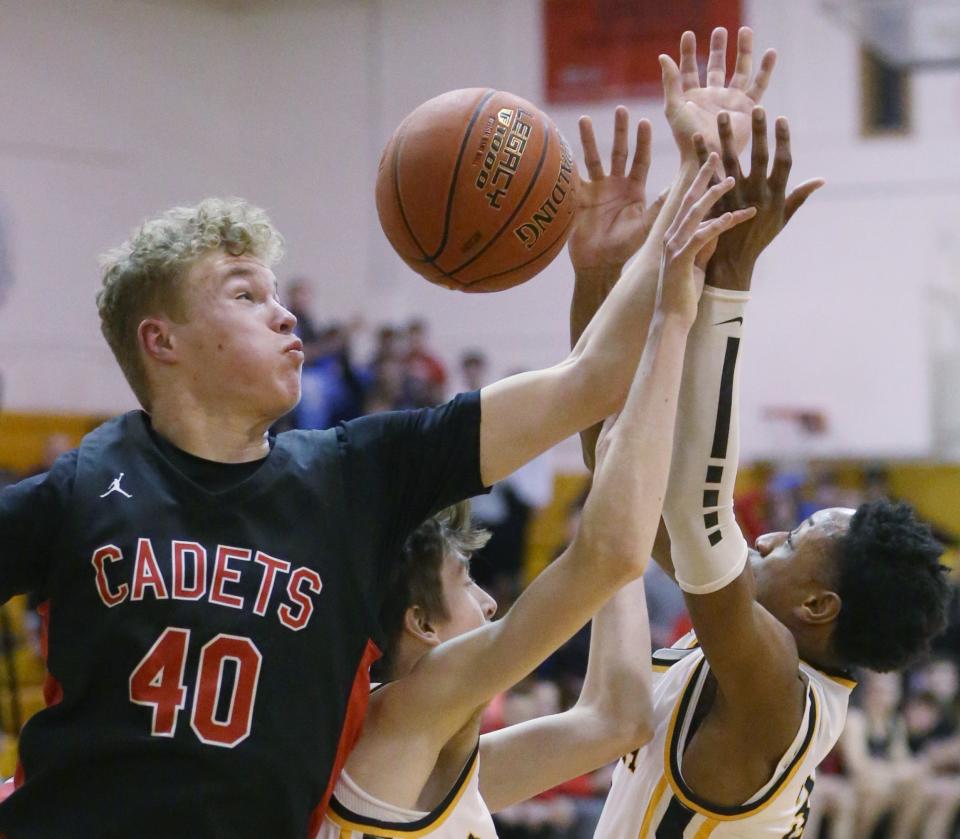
<point>930,714</point>
<point>387,344</point>
<point>332,391</point>
<point>390,387</point>
<point>784,497</point>
<point>570,810</point>
<point>823,491</point>
<point>506,511</point>
<point>876,755</point>
<point>833,799</point>
<point>300,303</point>
<point>425,369</point>
<point>474,370</point>
<point>669,619</point>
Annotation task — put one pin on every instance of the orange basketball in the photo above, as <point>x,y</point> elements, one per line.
<point>477,190</point>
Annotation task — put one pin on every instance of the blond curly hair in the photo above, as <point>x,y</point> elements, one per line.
<point>144,275</point>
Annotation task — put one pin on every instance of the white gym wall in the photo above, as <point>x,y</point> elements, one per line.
<point>113,109</point>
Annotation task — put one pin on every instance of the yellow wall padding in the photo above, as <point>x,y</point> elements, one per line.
<point>23,435</point>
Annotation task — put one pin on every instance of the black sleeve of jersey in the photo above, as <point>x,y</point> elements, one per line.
<point>404,466</point>
<point>32,514</point>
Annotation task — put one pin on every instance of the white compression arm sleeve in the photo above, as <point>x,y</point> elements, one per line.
<point>706,545</point>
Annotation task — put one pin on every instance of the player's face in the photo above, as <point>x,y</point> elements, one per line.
<point>468,605</point>
<point>237,347</point>
<point>789,566</point>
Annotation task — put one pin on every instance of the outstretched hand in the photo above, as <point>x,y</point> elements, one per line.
<point>692,109</point>
<point>737,250</point>
<point>613,218</point>
<point>690,242</point>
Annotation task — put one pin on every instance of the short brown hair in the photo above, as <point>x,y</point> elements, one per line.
<point>415,577</point>
<point>144,274</point>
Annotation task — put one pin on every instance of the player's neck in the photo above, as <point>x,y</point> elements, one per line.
<point>818,654</point>
<point>212,435</point>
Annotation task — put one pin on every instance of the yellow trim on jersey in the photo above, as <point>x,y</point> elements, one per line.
<point>660,668</point>
<point>658,791</point>
<point>768,796</point>
<point>344,833</point>
<point>706,829</point>
<point>347,824</point>
<point>849,684</point>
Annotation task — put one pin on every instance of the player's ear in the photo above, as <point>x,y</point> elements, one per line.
<point>417,624</point>
<point>156,339</point>
<point>820,607</point>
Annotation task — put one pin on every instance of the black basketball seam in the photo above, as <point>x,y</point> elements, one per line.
<point>453,181</point>
<point>522,264</point>
<point>526,195</point>
<point>396,189</point>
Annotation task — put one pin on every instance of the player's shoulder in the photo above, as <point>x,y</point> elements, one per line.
<point>831,689</point>
<point>303,443</point>
<point>461,412</point>
<point>123,430</point>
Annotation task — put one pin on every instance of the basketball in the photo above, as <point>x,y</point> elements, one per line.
<point>477,190</point>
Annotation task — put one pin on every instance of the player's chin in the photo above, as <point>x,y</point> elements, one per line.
<point>290,395</point>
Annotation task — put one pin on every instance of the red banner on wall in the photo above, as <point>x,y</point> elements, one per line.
<point>607,49</point>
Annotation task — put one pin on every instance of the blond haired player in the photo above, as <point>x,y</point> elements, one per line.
<point>417,768</point>
<point>212,592</point>
<point>746,706</point>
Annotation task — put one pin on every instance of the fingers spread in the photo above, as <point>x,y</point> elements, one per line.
<point>762,80</point>
<point>744,66</point>
<point>717,63</point>
<point>618,157</point>
<point>689,73</point>
<point>591,156</point>
<point>782,158</point>
<point>796,198</point>
<point>641,154</point>
<point>760,154</point>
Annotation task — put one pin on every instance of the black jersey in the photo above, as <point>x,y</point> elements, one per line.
<point>208,651</point>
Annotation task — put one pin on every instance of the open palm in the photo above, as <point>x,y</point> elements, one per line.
<point>613,218</point>
<point>692,108</point>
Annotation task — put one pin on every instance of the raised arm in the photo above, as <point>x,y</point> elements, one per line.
<point>739,637</point>
<point>610,718</point>
<point>613,222</point>
<point>619,519</point>
<point>524,415</point>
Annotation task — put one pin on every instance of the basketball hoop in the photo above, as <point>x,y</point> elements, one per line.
<point>792,434</point>
<point>918,34</point>
<point>809,422</point>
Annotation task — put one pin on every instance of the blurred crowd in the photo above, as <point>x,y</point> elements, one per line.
<point>895,774</point>
<point>399,371</point>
